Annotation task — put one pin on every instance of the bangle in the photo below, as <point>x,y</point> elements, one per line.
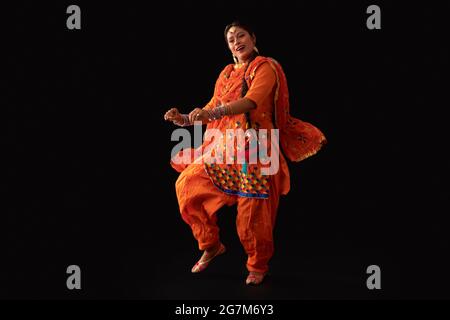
<point>219,112</point>
<point>229,111</point>
<point>185,121</point>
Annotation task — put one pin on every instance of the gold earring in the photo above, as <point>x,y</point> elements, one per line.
<point>256,49</point>
<point>235,59</point>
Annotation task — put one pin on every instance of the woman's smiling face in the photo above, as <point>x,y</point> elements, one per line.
<point>241,43</point>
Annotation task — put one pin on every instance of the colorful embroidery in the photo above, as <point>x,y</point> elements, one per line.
<point>233,181</point>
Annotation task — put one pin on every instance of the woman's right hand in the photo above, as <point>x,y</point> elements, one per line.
<point>198,114</point>
<point>173,115</point>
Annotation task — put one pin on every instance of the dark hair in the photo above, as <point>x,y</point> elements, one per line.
<point>239,24</point>
<point>247,28</point>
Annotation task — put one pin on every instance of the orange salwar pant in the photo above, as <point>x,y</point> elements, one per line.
<point>199,200</point>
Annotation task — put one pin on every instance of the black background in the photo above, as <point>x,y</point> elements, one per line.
<point>87,179</point>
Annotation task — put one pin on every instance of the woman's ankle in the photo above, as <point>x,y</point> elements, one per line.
<point>213,249</point>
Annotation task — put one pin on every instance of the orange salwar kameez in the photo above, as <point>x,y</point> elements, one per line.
<point>203,188</point>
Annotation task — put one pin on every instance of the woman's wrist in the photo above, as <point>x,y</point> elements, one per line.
<point>213,114</point>
<point>219,112</point>
<point>184,121</point>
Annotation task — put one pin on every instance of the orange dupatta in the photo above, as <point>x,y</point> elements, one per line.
<point>299,139</point>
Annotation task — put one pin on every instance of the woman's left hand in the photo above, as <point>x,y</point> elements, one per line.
<point>198,115</point>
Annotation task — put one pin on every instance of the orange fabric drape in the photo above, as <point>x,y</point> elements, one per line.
<point>299,139</point>
<point>199,202</point>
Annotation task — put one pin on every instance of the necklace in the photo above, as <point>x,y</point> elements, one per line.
<point>239,65</point>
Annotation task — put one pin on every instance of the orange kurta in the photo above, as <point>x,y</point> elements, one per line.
<point>203,188</point>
